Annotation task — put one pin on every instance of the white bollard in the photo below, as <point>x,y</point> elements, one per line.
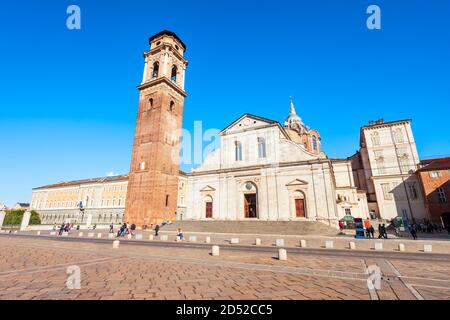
<point>329,244</point>
<point>110,235</point>
<point>15,232</point>
<point>234,240</point>
<point>99,235</point>
<point>116,244</point>
<point>378,246</point>
<point>53,233</point>
<point>427,248</point>
<point>282,254</point>
<point>401,247</point>
<point>215,251</point>
<point>91,235</point>
<point>279,242</point>
<point>303,243</point>
<point>38,233</point>
<point>138,236</point>
<point>257,242</point>
<point>65,234</point>
<point>164,238</point>
<point>192,239</point>
<point>80,234</point>
<point>352,245</point>
<point>129,236</point>
<point>178,239</point>
<point>150,237</point>
<point>208,239</point>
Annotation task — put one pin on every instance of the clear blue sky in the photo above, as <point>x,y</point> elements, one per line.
<point>68,99</point>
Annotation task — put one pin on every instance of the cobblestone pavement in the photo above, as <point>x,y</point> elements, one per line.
<point>33,268</point>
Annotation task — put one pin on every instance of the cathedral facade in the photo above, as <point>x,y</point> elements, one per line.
<point>263,170</point>
<point>267,171</point>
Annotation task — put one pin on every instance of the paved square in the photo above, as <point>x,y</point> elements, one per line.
<point>36,268</point>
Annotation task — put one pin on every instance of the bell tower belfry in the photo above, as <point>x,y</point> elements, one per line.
<point>154,170</point>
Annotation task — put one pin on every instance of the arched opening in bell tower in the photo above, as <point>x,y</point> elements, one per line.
<point>173,75</point>
<point>155,70</point>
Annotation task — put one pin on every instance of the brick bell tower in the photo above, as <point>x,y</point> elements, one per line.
<point>153,182</point>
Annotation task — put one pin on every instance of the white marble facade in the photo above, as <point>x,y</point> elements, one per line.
<point>259,172</point>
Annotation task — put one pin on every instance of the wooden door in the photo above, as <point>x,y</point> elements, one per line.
<point>300,208</point>
<point>250,206</point>
<point>208,209</point>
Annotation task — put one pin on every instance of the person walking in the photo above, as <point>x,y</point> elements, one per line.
<point>372,232</point>
<point>367,226</point>
<point>413,232</point>
<point>383,228</point>
<point>180,234</point>
<point>156,230</point>
<point>111,228</point>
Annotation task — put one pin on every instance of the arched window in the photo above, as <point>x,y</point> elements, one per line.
<point>398,136</point>
<point>155,70</point>
<point>172,106</point>
<point>167,200</point>
<point>314,143</point>
<point>238,151</point>
<point>150,101</point>
<point>173,75</point>
<point>261,147</point>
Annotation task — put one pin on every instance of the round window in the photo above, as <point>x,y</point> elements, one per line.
<point>249,186</point>
<point>176,47</point>
<point>158,43</point>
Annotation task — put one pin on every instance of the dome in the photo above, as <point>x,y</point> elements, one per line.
<point>293,121</point>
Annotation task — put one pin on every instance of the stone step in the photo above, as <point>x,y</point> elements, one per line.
<point>253,227</point>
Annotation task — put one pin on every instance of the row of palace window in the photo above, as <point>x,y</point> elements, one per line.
<point>405,165</point>
<point>173,73</point>
<point>397,136</point>
<point>55,218</point>
<point>261,149</point>
<point>73,204</point>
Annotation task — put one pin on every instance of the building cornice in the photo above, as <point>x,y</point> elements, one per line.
<point>164,80</point>
<point>258,167</point>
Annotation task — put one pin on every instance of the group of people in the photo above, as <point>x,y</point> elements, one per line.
<point>65,227</point>
<point>124,229</point>
<point>428,227</point>
<point>127,228</point>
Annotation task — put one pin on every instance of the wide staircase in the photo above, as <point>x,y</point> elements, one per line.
<point>254,227</point>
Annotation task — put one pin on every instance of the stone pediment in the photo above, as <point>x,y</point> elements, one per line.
<point>296,182</point>
<point>207,189</point>
<point>247,122</point>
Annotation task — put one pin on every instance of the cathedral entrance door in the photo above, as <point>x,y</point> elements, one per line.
<point>250,206</point>
<point>300,208</point>
<point>208,209</point>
